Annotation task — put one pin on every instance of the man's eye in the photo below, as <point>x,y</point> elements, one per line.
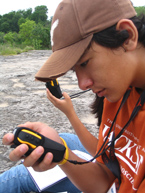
<point>84,63</point>
<point>73,69</point>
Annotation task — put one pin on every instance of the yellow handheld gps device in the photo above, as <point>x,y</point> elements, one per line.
<point>23,135</point>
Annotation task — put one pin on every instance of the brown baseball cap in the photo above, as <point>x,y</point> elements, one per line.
<point>72,29</point>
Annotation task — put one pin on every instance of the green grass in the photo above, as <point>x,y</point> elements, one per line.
<point>13,50</point>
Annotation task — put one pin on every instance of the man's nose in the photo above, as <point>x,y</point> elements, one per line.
<point>84,81</point>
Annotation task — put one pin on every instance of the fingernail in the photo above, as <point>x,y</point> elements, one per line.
<point>39,150</point>
<point>23,148</point>
<point>10,138</point>
<point>49,156</point>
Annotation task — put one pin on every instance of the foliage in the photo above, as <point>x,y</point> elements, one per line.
<point>7,49</point>
<point>26,31</point>
<point>12,37</point>
<point>40,14</point>
<point>40,36</point>
<point>26,28</point>
<point>11,21</point>
<point>140,10</point>
<point>27,48</point>
<point>21,20</point>
<point>2,40</point>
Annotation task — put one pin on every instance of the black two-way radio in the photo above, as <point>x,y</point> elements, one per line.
<point>54,88</point>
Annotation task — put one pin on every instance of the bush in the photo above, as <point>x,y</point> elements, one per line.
<point>27,48</point>
<point>12,38</point>
<point>10,50</point>
<point>2,40</point>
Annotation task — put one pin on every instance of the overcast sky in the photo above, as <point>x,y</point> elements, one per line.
<point>15,5</point>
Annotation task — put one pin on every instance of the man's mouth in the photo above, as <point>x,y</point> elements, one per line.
<point>100,93</point>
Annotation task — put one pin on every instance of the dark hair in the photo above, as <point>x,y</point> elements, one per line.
<point>113,38</point>
<point>97,108</point>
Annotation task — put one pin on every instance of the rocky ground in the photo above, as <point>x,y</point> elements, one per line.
<point>24,99</point>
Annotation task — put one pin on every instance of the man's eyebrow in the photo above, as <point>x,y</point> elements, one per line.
<point>85,52</point>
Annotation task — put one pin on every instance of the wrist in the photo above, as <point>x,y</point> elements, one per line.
<point>66,154</point>
<point>71,114</point>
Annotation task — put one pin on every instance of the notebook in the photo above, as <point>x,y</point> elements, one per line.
<point>46,179</point>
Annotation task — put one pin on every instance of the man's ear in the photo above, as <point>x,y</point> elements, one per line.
<point>126,24</point>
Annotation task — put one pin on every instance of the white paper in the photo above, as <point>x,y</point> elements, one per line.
<point>112,189</point>
<point>47,178</point>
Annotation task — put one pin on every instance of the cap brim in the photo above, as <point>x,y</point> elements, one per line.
<point>62,60</point>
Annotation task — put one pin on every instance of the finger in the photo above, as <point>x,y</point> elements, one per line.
<point>18,152</point>
<point>45,164</point>
<point>27,124</point>
<point>34,156</point>
<point>8,139</point>
<point>32,125</point>
<point>54,100</point>
<point>49,94</point>
<point>66,96</point>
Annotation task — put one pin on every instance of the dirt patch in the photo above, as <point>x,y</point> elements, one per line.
<point>23,99</point>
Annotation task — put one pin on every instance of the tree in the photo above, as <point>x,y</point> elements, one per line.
<point>5,27</point>
<point>9,22</point>
<point>2,40</point>
<point>27,13</point>
<point>40,14</point>
<point>21,20</point>
<point>14,21</point>
<point>12,37</point>
<point>26,31</point>
<point>9,37</point>
<point>41,36</point>
<point>27,27</point>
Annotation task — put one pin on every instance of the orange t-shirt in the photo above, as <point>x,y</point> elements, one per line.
<point>130,147</point>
